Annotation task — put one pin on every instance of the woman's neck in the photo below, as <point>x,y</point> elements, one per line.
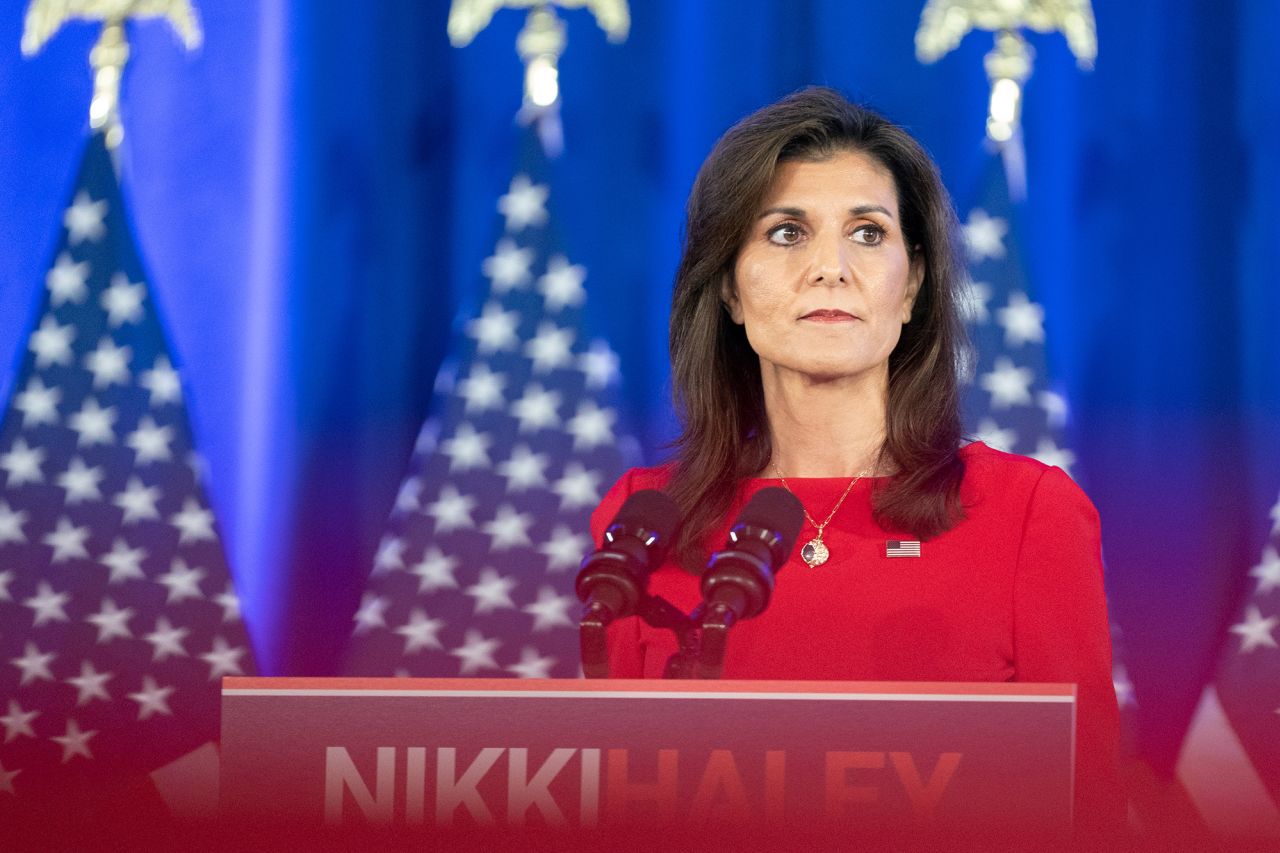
<point>825,428</point>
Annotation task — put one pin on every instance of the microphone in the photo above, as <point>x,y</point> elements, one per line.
<point>738,580</point>
<point>615,577</point>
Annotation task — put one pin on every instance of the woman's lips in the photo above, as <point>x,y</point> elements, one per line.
<point>829,315</point>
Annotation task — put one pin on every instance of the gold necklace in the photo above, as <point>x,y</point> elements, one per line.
<point>815,552</point>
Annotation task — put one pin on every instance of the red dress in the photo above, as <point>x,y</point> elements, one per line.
<point>1012,593</point>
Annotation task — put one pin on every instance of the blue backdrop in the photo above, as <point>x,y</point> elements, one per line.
<point>313,194</point>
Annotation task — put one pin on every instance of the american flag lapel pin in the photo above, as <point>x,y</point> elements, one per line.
<point>902,548</point>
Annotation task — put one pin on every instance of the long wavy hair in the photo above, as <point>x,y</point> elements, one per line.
<point>716,375</point>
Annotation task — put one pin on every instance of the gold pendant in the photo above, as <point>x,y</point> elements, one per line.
<point>814,553</point>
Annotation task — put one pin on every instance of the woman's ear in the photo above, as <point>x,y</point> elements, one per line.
<point>915,278</point>
<point>729,298</point>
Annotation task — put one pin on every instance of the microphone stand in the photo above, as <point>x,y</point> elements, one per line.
<point>657,612</point>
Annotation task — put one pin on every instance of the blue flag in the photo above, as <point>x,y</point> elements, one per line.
<point>117,614</point>
<point>474,576</point>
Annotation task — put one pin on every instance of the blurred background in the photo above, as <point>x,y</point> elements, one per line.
<point>313,194</point>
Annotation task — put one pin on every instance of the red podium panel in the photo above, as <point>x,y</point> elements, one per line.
<point>500,752</point>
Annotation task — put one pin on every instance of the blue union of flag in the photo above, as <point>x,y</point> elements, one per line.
<point>474,576</point>
<point>117,614</point>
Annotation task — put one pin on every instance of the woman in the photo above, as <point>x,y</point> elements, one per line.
<point>814,345</point>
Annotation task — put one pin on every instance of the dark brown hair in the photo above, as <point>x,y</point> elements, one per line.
<point>715,373</point>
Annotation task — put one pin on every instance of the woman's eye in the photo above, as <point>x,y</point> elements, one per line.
<point>868,235</point>
<point>786,234</point>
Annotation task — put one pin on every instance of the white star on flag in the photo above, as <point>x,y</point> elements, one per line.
<point>371,613</point>
<point>599,364</point>
<point>93,424</point>
<point>151,441</point>
<point>1267,572</point>
<point>67,541</point>
<point>162,382</point>
<point>467,449</point>
<point>17,723</point>
<point>74,742</point>
<point>22,463</point>
<point>38,403</point>
<point>111,621</point>
<point>525,469</point>
<point>124,562</point>
<point>194,522</point>
<point>420,632</point>
<point>182,581</point>
<point>47,605</point>
<point>1050,454</point>
<point>1255,630</point>
<point>508,266</point>
<point>451,510</point>
<point>436,571</point>
<point>550,610</point>
<point>138,501</point>
<point>984,235</point>
<point>223,659</point>
<point>1008,384</point>
<point>494,330</point>
<point>550,348</point>
<point>536,409</point>
<point>562,284</point>
<point>166,640</point>
<point>1022,320</point>
<point>84,219</point>
<point>90,684</point>
<point>11,524</point>
<point>123,301</point>
<point>524,204</point>
<point>532,664</point>
<point>592,426</point>
<point>34,664</point>
<point>565,549</point>
<point>390,555</point>
<point>80,482</point>
<point>578,487</point>
<point>51,343</point>
<point>109,364</point>
<point>476,653</point>
<point>152,698</point>
<point>66,280</point>
<point>492,591</point>
<point>482,389</point>
<point>508,528</point>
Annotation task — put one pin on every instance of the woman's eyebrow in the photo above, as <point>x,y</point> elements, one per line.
<point>863,209</point>
<point>798,213</point>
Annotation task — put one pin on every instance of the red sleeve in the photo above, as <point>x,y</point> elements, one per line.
<point>626,659</point>
<point>1061,633</point>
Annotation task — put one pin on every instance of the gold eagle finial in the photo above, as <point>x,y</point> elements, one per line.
<point>111,52</point>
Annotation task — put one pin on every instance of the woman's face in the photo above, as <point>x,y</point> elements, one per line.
<point>823,282</point>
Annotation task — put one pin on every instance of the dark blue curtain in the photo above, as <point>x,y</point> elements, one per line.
<point>313,193</point>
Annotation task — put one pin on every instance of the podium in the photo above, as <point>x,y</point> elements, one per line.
<point>588,754</point>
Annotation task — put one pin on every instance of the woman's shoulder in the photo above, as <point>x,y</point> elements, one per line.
<point>987,468</point>
<point>636,479</point>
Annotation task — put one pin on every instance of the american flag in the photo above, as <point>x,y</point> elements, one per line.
<point>1009,401</point>
<point>474,576</point>
<point>117,614</point>
<point>1230,760</point>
